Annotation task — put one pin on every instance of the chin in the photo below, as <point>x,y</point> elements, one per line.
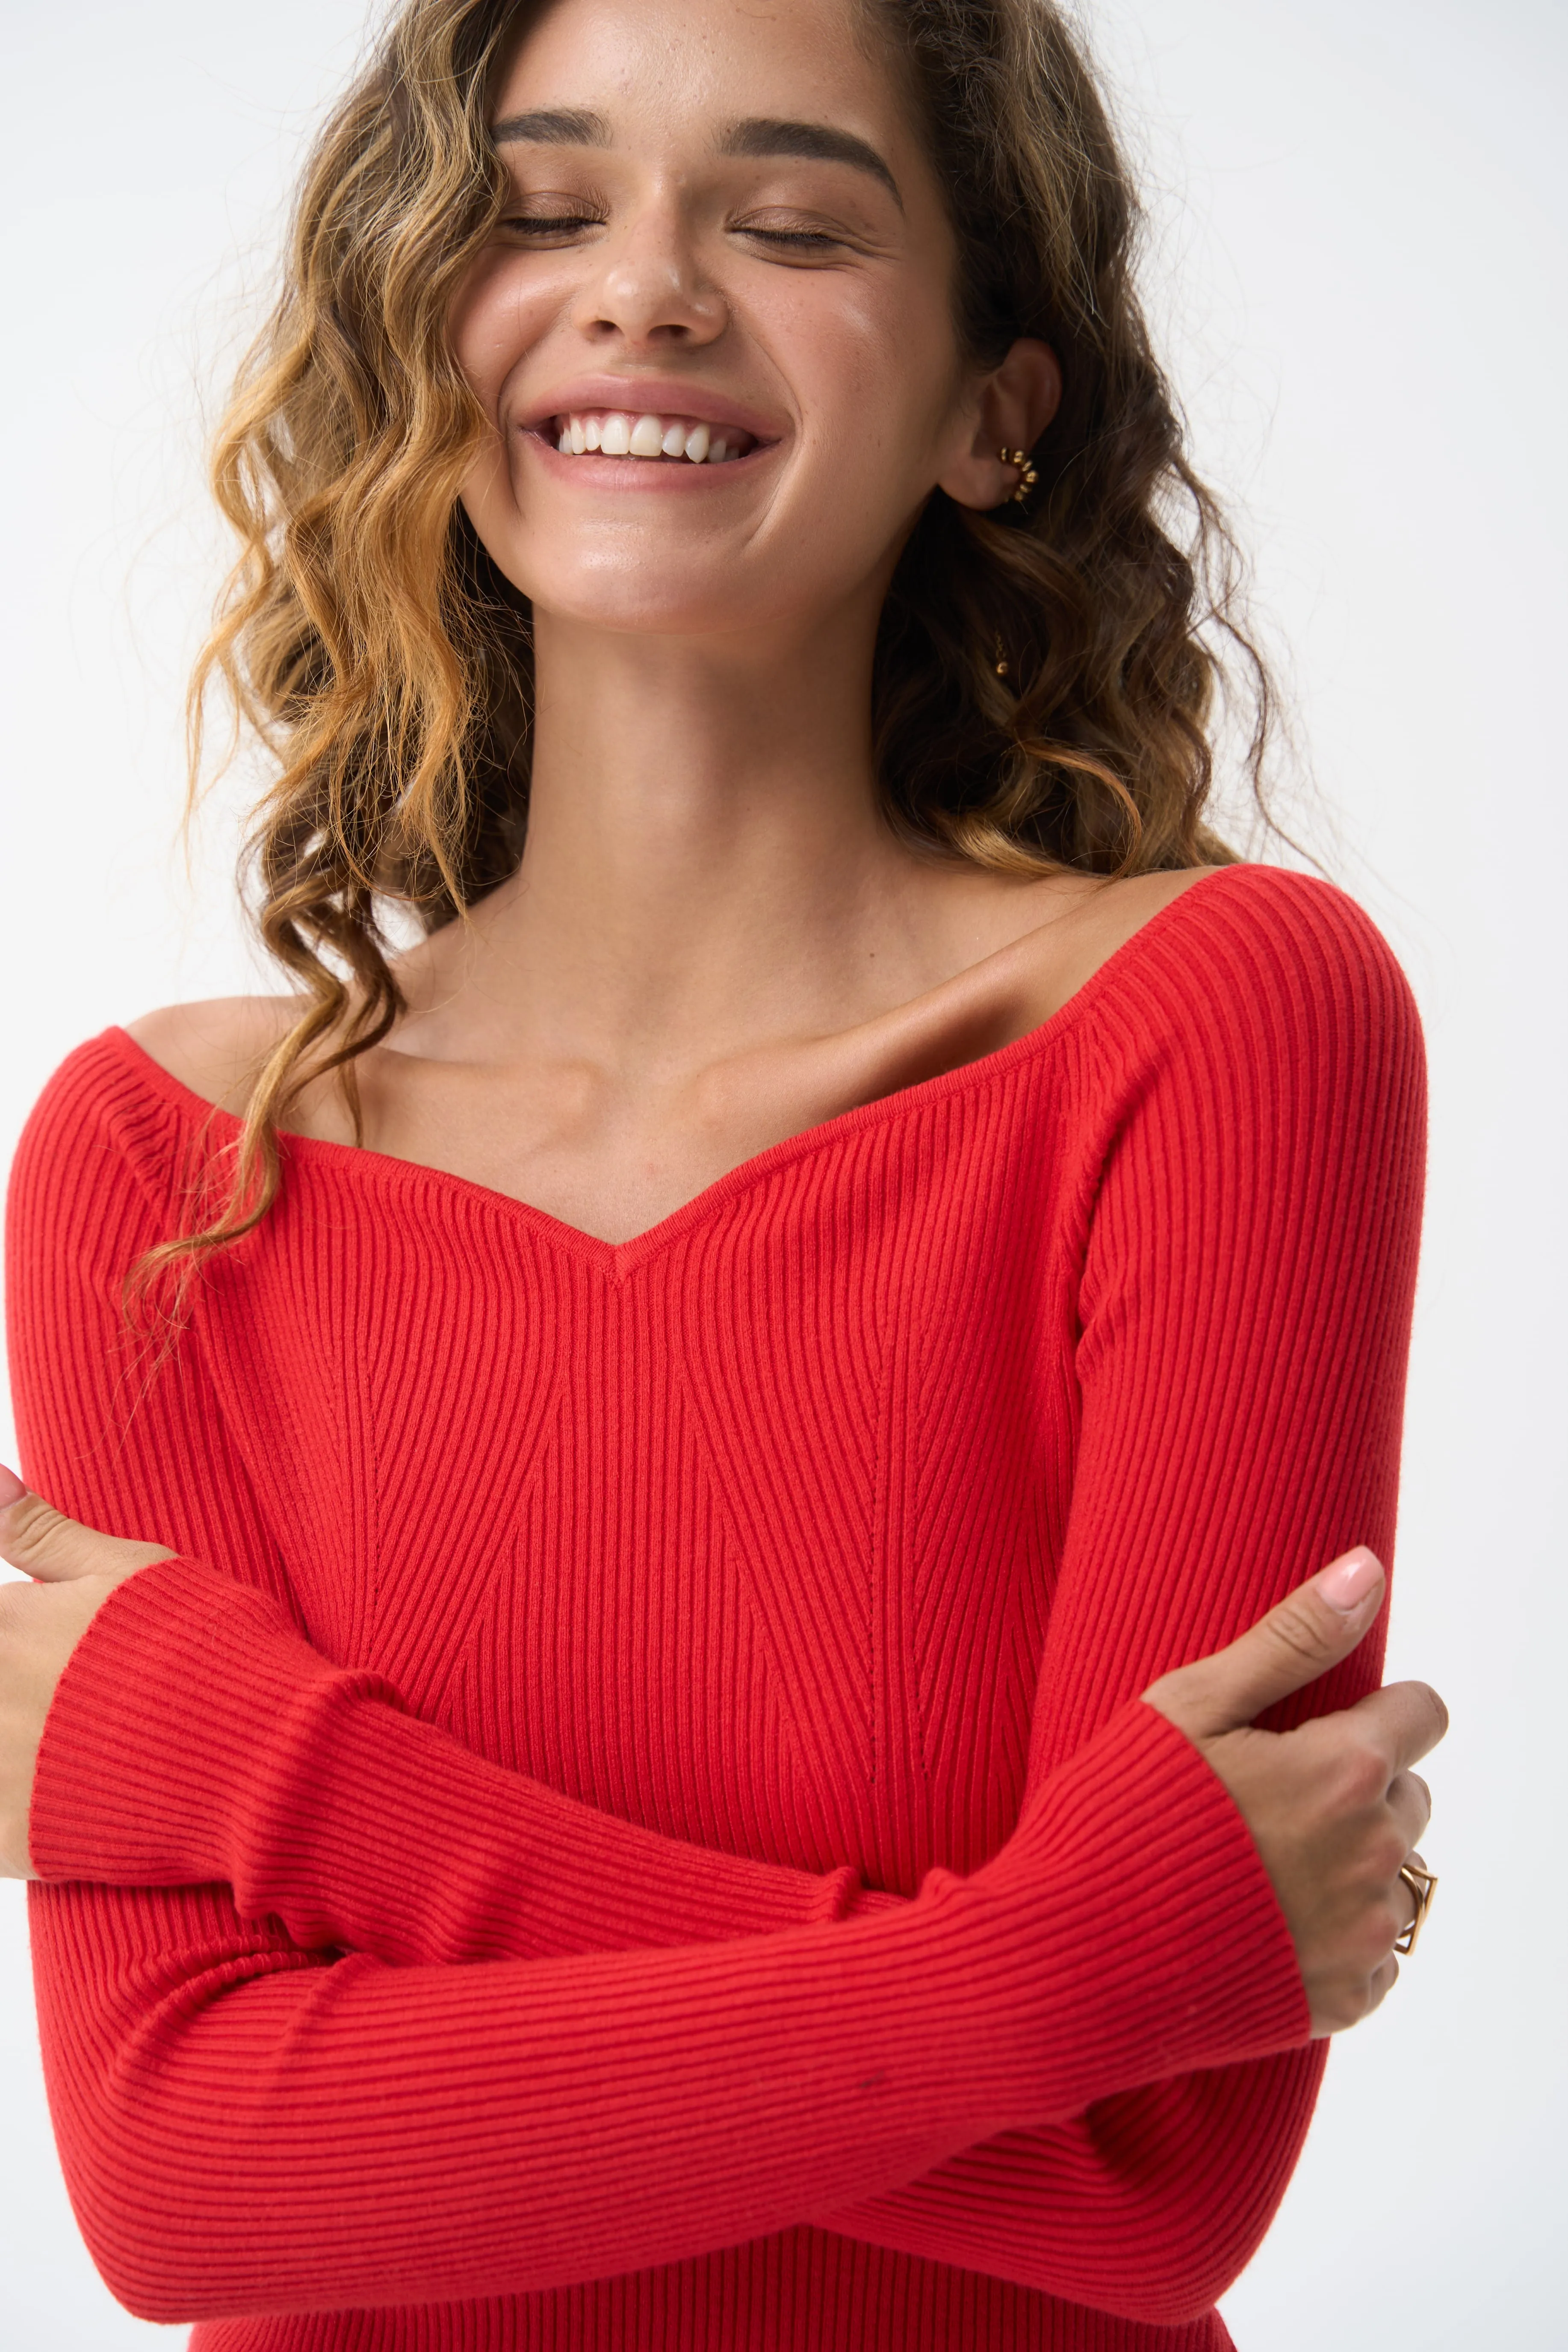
<point>653,599</point>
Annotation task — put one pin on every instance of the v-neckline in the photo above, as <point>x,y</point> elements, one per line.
<point>620,1259</point>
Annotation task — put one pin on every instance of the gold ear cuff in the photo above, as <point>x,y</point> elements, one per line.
<point>1027,477</point>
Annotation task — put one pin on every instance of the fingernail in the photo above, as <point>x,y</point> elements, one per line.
<point>11,1488</point>
<point>1345,1583</point>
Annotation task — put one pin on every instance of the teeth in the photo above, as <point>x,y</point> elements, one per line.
<point>619,434</point>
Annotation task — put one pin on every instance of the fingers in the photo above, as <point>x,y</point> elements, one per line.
<point>1406,1721</point>
<point>1410,1803</point>
<point>37,1539</point>
<point>1348,1996</point>
<point>1309,1631</point>
<point>1384,1977</point>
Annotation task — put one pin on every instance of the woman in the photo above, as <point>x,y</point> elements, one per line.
<point>746,1424</point>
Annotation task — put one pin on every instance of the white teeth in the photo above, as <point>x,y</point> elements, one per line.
<point>619,434</point>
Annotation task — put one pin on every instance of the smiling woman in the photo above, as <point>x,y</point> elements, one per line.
<point>685,1494</point>
<point>910,263</point>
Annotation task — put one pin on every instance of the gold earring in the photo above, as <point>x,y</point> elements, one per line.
<point>1027,477</point>
<point>1001,663</point>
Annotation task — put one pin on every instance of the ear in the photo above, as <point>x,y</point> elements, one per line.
<point>1012,407</point>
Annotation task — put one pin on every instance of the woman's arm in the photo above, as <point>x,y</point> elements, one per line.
<point>196,1735</point>
<point>1027,2208</point>
<point>248,2128</point>
<point>999,2203</point>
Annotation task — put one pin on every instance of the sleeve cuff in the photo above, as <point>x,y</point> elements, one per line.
<point>1152,1909</point>
<point>172,1710</point>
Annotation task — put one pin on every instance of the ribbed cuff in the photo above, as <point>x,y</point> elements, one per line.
<point>182,1689</point>
<point>1188,1960</point>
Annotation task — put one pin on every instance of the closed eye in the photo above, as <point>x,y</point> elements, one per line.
<point>802,240</point>
<point>553,229</point>
<point>541,226</point>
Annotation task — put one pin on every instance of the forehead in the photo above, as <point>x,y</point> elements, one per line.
<point>676,69</point>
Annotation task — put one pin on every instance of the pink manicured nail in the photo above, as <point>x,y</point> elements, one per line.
<point>1345,1583</point>
<point>11,1487</point>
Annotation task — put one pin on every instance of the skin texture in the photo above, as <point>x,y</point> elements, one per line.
<point>714,942</point>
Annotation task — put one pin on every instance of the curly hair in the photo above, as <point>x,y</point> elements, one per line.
<point>1045,677</point>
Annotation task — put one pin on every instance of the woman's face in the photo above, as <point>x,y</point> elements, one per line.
<point>725,260</point>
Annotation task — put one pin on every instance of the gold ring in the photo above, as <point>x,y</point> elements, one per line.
<point>1422,1884</point>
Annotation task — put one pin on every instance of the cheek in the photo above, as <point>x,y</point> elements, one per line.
<point>495,321</point>
<point>874,365</point>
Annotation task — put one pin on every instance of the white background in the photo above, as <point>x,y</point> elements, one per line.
<point>1358,265</point>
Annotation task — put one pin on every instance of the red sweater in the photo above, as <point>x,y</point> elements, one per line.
<point>630,1822</point>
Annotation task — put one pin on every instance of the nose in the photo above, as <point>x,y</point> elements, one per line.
<point>650,292</point>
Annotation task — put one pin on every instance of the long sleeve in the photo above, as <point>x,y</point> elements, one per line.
<point>1298,1259</point>
<point>312,1792</point>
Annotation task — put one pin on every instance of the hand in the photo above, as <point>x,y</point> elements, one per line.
<point>1334,1806</point>
<point>40,1625</point>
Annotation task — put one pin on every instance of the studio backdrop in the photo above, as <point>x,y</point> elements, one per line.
<point>1357,238</point>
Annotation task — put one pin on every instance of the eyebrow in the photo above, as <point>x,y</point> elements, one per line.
<point>819,142</point>
<point>758,137</point>
<point>565,126</point>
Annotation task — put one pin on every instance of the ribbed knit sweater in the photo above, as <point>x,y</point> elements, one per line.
<point>630,1822</point>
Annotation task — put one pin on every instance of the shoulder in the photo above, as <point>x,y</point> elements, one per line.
<point>1259,948</point>
<point>125,1106</point>
<point>215,1049</point>
<point>1260,1020</point>
<point>1252,1081</point>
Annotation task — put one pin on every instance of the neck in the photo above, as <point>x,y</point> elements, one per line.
<point>706,863</point>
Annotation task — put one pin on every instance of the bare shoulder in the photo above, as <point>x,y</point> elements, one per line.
<point>215,1048</point>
